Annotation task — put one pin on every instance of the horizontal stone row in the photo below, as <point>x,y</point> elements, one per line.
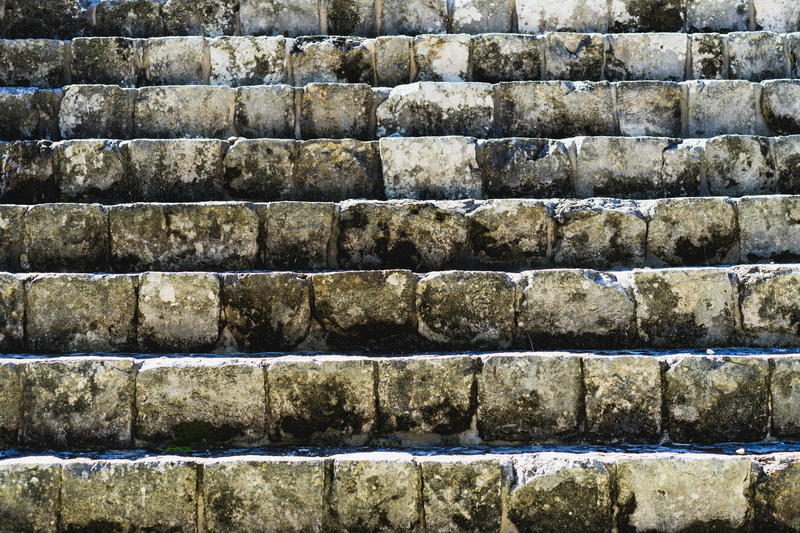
<point>392,491</point>
<point>397,60</point>
<point>698,108</point>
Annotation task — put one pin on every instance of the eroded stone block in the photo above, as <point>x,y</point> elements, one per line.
<point>525,168</point>
<point>29,488</point>
<point>128,18</point>
<point>539,16</point>
<point>331,60</point>
<point>777,15</point>
<point>573,56</point>
<point>719,107</point>
<point>247,60</point>
<point>769,304</point>
<point>336,110</point>
<point>265,111</point>
<point>112,60</point>
<point>28,113</point>
<point>708,56</point>
<point>776,493</point>
<point>780,103</point>
<point>738,165</point>
<point>91,111</point>
<point>768,228</point>
<point>26,176</point>
<point>413,17</point>
<point>510,232</point>
<point>56,19</point>
<point>12,315</point>
<point>260,169</point>
<point>351,17</point>
<point>646,56</point>
<point>786,158</point>
<point>300,235</point>
<point>32,62</point>
<point>11,238</point>
<point>756,56</point>
<point>91,170</point>
<point>393,60</point>
<point>199,17</point>
<point>184,111</point>
<point>482,16</point>
<point>649,108</point>
<point>335,170</point>
<point>442,57</point>
<point>652,16</point>
<point>276,17</point>
<point>174,61</point>
<point>717,15</point>
<point>500,57</point>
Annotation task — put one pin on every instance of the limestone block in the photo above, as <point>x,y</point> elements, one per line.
<point>184,111</point>
<point>324,400</point>
<point>191,401</point>
<point>81,312</point>
<point>599,233</point>
<point>560,493</point>
<point>56,19</point>
<point>80,402</point>
<point>525,168</point>
<point>482,16</point>
<point>555,109</point>
<point>775,498</point>
<point>623,398</point>
<point>334,170</point>
<point>277,17</point>
<point>175,169</point>
<point>757,56</point>
<point>768,228</point>
<point>104,492</point>
<point>336,110</point>
<point>112,60</point>
<point>28,113</point>
<point>510,232</point>
<point>574,308</point>
<point>777,15</point>
<point>10,403</point>
<point>435,108</point>
<point>780,103</point>
<point>718,107</point>
<point>649,108</point>
<point>646,56</point>
<point>769,304</point>
<point>351,17</point>
<point>250,494</point>
<point>266,311</point>
<point>708,56</point>
<point>178,311</point>
<point>260,169</point>
<point>128,18</point>
<point>401,234</point>
<point>426,395</point>
<point>300,235</point>
<point>785,392</point>
<point>247,60</point>
<point>32,63</point>
<point>500,57</point>
<point>442,57</point>
<point>413,17</point>
<point>174,61</point>
<point>458,308</point>
<point>462,493</point>
<point>199,17</point>
<point>539,16</point>
<point>69,237</point>
<point>793,48</point>
<point>331,60</point>
<point>573,56</point>
<point>373,308</point>
<point>265,111</point>
<point>91,170</point>
<point>26,175</point>
<point>739,165</point>
<point>212,236</point>
<point>652,16</point>
<point>29,488</point>
<point>11,238</point>
<point>786,158</point>
<point>375,492</point>
<point>653,492</point>
<point>717,15</point>
<point>529,398</point>
<point>393,60</point>
<point>12,314</point>
<point>684,307</point>
<point>96,111</point>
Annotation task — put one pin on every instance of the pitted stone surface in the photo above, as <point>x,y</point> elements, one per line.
<point>785,396</point>
<point>247,60</point>
<point>334,170</point>
<point>786,155</point>
<point>129,18</point>
<point>330,60</point>
<point>277,17</point>
<point>766,301</point>
<point>174,61</point>
<point>768,228</point>
<point>60,19</point>
<point>265,111</point>
<point>96,111</point>
<point>199,17</point>
<point>335,110</point>
<point>739,165</point>
<point>300,235</point>
<point>351,17</point>
<point>756,56</point>
<point>650,16</point>
<point>649,108</point>
<point>260,169</point>
<point>646,56</point>
<point>780,103</point>
<point>775,498</point>
<point>525,168</point>
<point>183,111</point>
<point>393,60</point>
<point>535,16</point>
<point>708,56</point>
<point>29,113</point>
<point>718,107</point>
<point>10,402</point>
<point>717,15</point>
<point>11,238</point>
<point>505,57</point>
<point>28,489</point>
<point>26,172</point>
<point>510,232</point>
<point>32,62</point>
<point>573,56</point>
<point>442,57</point>
<point>478,16</point>
<point>777,15</point>
<point>413,17</point>
<point>91,170</point>
<point>12,313</point>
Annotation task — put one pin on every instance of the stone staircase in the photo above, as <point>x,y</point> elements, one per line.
<point>399,265</point>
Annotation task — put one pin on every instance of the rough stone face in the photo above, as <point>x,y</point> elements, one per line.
<point>393,60</point>
<point>573,56</point>
<point>10,403</point>
<point>574,308</point>
<point>323,400</point>
<point>482,16</point>
<point>90,111</point>
<point>681,167</point>
<point>26,176</point>
<point>779,103</point>
<point>756,56</point>
<point>199,17</point>
<point>300,235</point>
<point>500,57</point>
<point>351,17</point>
<point>28,488</point>
<point>78,402</point>
<point>331,60</point>
<point>525,168</point>
<point>184,111</point>
<point>28,113</point>
<point>768,304</point>
<point>12,315</point>
<point>261,169</point>
<point>708,56</point>
<point>174,61</point>
<point>11,242</point>
<point>459,308</point>
<point>277,17</point>
<point>112,60</point>
<point>81,312</point>
<point>57,19</point>
<point>653,492</point>
<point>32,63</point>
<point>738,165</point>
<point>102,492</point>
<point>534,16</point>
<point>776,493</point>
<point>251,495</point>
<point>785,393</point>
<point>442,57</point>
<point>719,107</point>
<point>646,56</point>
<point>529,398</point>
<point>768,228</point>
<point>510,232</point>
<point>247,60</point>
<point>786,158</point>
<point>129,18</point>
<point>652,16</point>
<point>777,15</point>
<point>684,307</point>
<point>649,108</point>
<point>334,170</point>
<point>91,170</point>
<point>178,311</point>
<point>559,493</point>
<point>717,15</point>
<point>335,110</point>
<point>266,311</point>
<point>413,17</point>
<point>265,111</point>
<point>209,401</point>
<point>435,108</point>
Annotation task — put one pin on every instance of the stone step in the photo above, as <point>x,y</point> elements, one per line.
<point>397,60</point>
<point>593,492</point>
<point>697,108</point>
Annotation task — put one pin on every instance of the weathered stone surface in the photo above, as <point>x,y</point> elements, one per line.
<point>717,15</point>
<point>32,62</point>
<point>776,496</point>
<point>559,493</point>
<point>574,308</point>
<point>793,49</point>
<point>70,237</point>
<point>599,233</point>
<point>128,18</point>
<point>178,311</point>
<point>652,16</point>
<point>684,307</point>
<point>300,235</point>
<point>435,108</point>
<point>649,108</point>
<point>27,113</point>
<point>260,169</point>
<point>265,111</point>
<point>199,17</point>
<point>12,315</point>
<point>768,304</point>
<point>26,176</point>
<point>718,107</point>
<point>174,61</point>
<point>768,228</point>
<point>108,493</point>
<point>482,16</point>
<point>535,16</point>
<point>78,402</point>
<point>681,167</point>
<point>525,167</point>
<point>786,158</point>
<point>413,17</point>
<point>442,57</point>
<point>400,234</point>
<point>250,495</point>
<point>184,111</point>
<point>573,56</point>
<point>708,56</point>
<point>276,17</point>
<point>192,401</point>
<point>785,396</point>
<point>91,170</point>
<point>324,400</point>
<point>459,308</point>
<point>646,56</point>
<point>555,109</point>
<point>500,57</point>
<point>334,170</point>
<point>738,165</point>
<point>29,487</point>
<point>779,103</point>
<point>777,15</point>
<point>10,403</point>
<point>57,19</point>
<point>89,111</point>
<point>393,60</point>
<point>654,492</point>
<point>81,312</point>
<point>529,398</point>
<point>336,110</point>
<point>113,60</point>
<point>11,238</point>
<point>351,17</point>
<point>510,232</point>
<point>247,60</point>
<point>462,493</point>
<point>756,56</point>
<point>331,60</point>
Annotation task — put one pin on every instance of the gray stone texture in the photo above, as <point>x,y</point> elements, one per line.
<point>330,60</point>
<point>93,170</point>
<point>525,168</point>
<point>768,228</point>
<point>28,488</point>
<point>646,56</point>
<point>535,16</point>
<point>708,56</point>
<point>276,17</point>
<point>174,61</point>
<point>482,16</point>
<point>32,62</point>
<point>442,57</point>
<point>718,107</point>
<point>299,235</point>
<point>573,56</point>
<point>767,304</point>
<point>738,165</point>
<point>779,103</point>
<point>648,16</point>
<point>351,17</point>
<point>649,108</point>
<point>184,111</point>
<point>756,56</point>
<point>29,113</point>
<point>90,111</point>
<point>247,60</point>
<point>413,17</point>
<point>717,15</point>
<point>335,110</point>
<point>510,233</point>
<point>265,111</point>
<point>500,57</point>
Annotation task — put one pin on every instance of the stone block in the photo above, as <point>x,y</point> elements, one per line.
<point>574,308</point>
<point>780,103</point>
<point>128,18</point>
<point>265,111</point>
<point>435,108</point>
<point>775,498</point>
<point>623,398</point>
<point>768,303</point>
<point>336,110</point>
<point>91,170</point>
<point>685,307</point>
<point>334,170</point>
<point>777,15</point>
<point>174,61</point>
<point>786,158</point>
<point>646,56</point>
<point>250,494</point>
<point>247,60</point>
<point>719,107</point>
<point>793,49</point>
<point>717,15</point>
<point>739,165</point>
<point>650,108</point>
<point>266,311</point>
<point>29,489</point>
<point>69,237</point>
<point>324,400</point>
<point>26,176</point>
<point>91,111</point>
<point>510,233</point>
<point>80,402</point>
<point>55,19</point>
<point>351,17</point>
<point>211,18</point>
<point>103,492</point>
<point>12,313</point>
<point>442,57</point>
<point>111,60</point>
<point>81,312</point>
<point>413,17</point>
<point>768,228</point>
<point>640,17</point>
<point>32,62</point>
<point>11,238</point>
<point>190,402</point>
<point>331,60</point>
<point>28,113</point>
<point>184,111</point>
<point>573,56</point>
<point>500,57</point>
<point>525,168</point>
<point>178,311</point>
<point>482,16</point>
<point>708,56</point>
<point>540,16</point>
<point>393,60</point>
<point>260,169</point>
<point>401,234</point>
<point>276,17</point>
<point>555,109</point>
<point>10,402</point>
<point>300,235</point>
<point>681,169</point>
<point>756,56</point>
<point>529,398</point>
<point>599,233</point>
<point>458,308</point>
